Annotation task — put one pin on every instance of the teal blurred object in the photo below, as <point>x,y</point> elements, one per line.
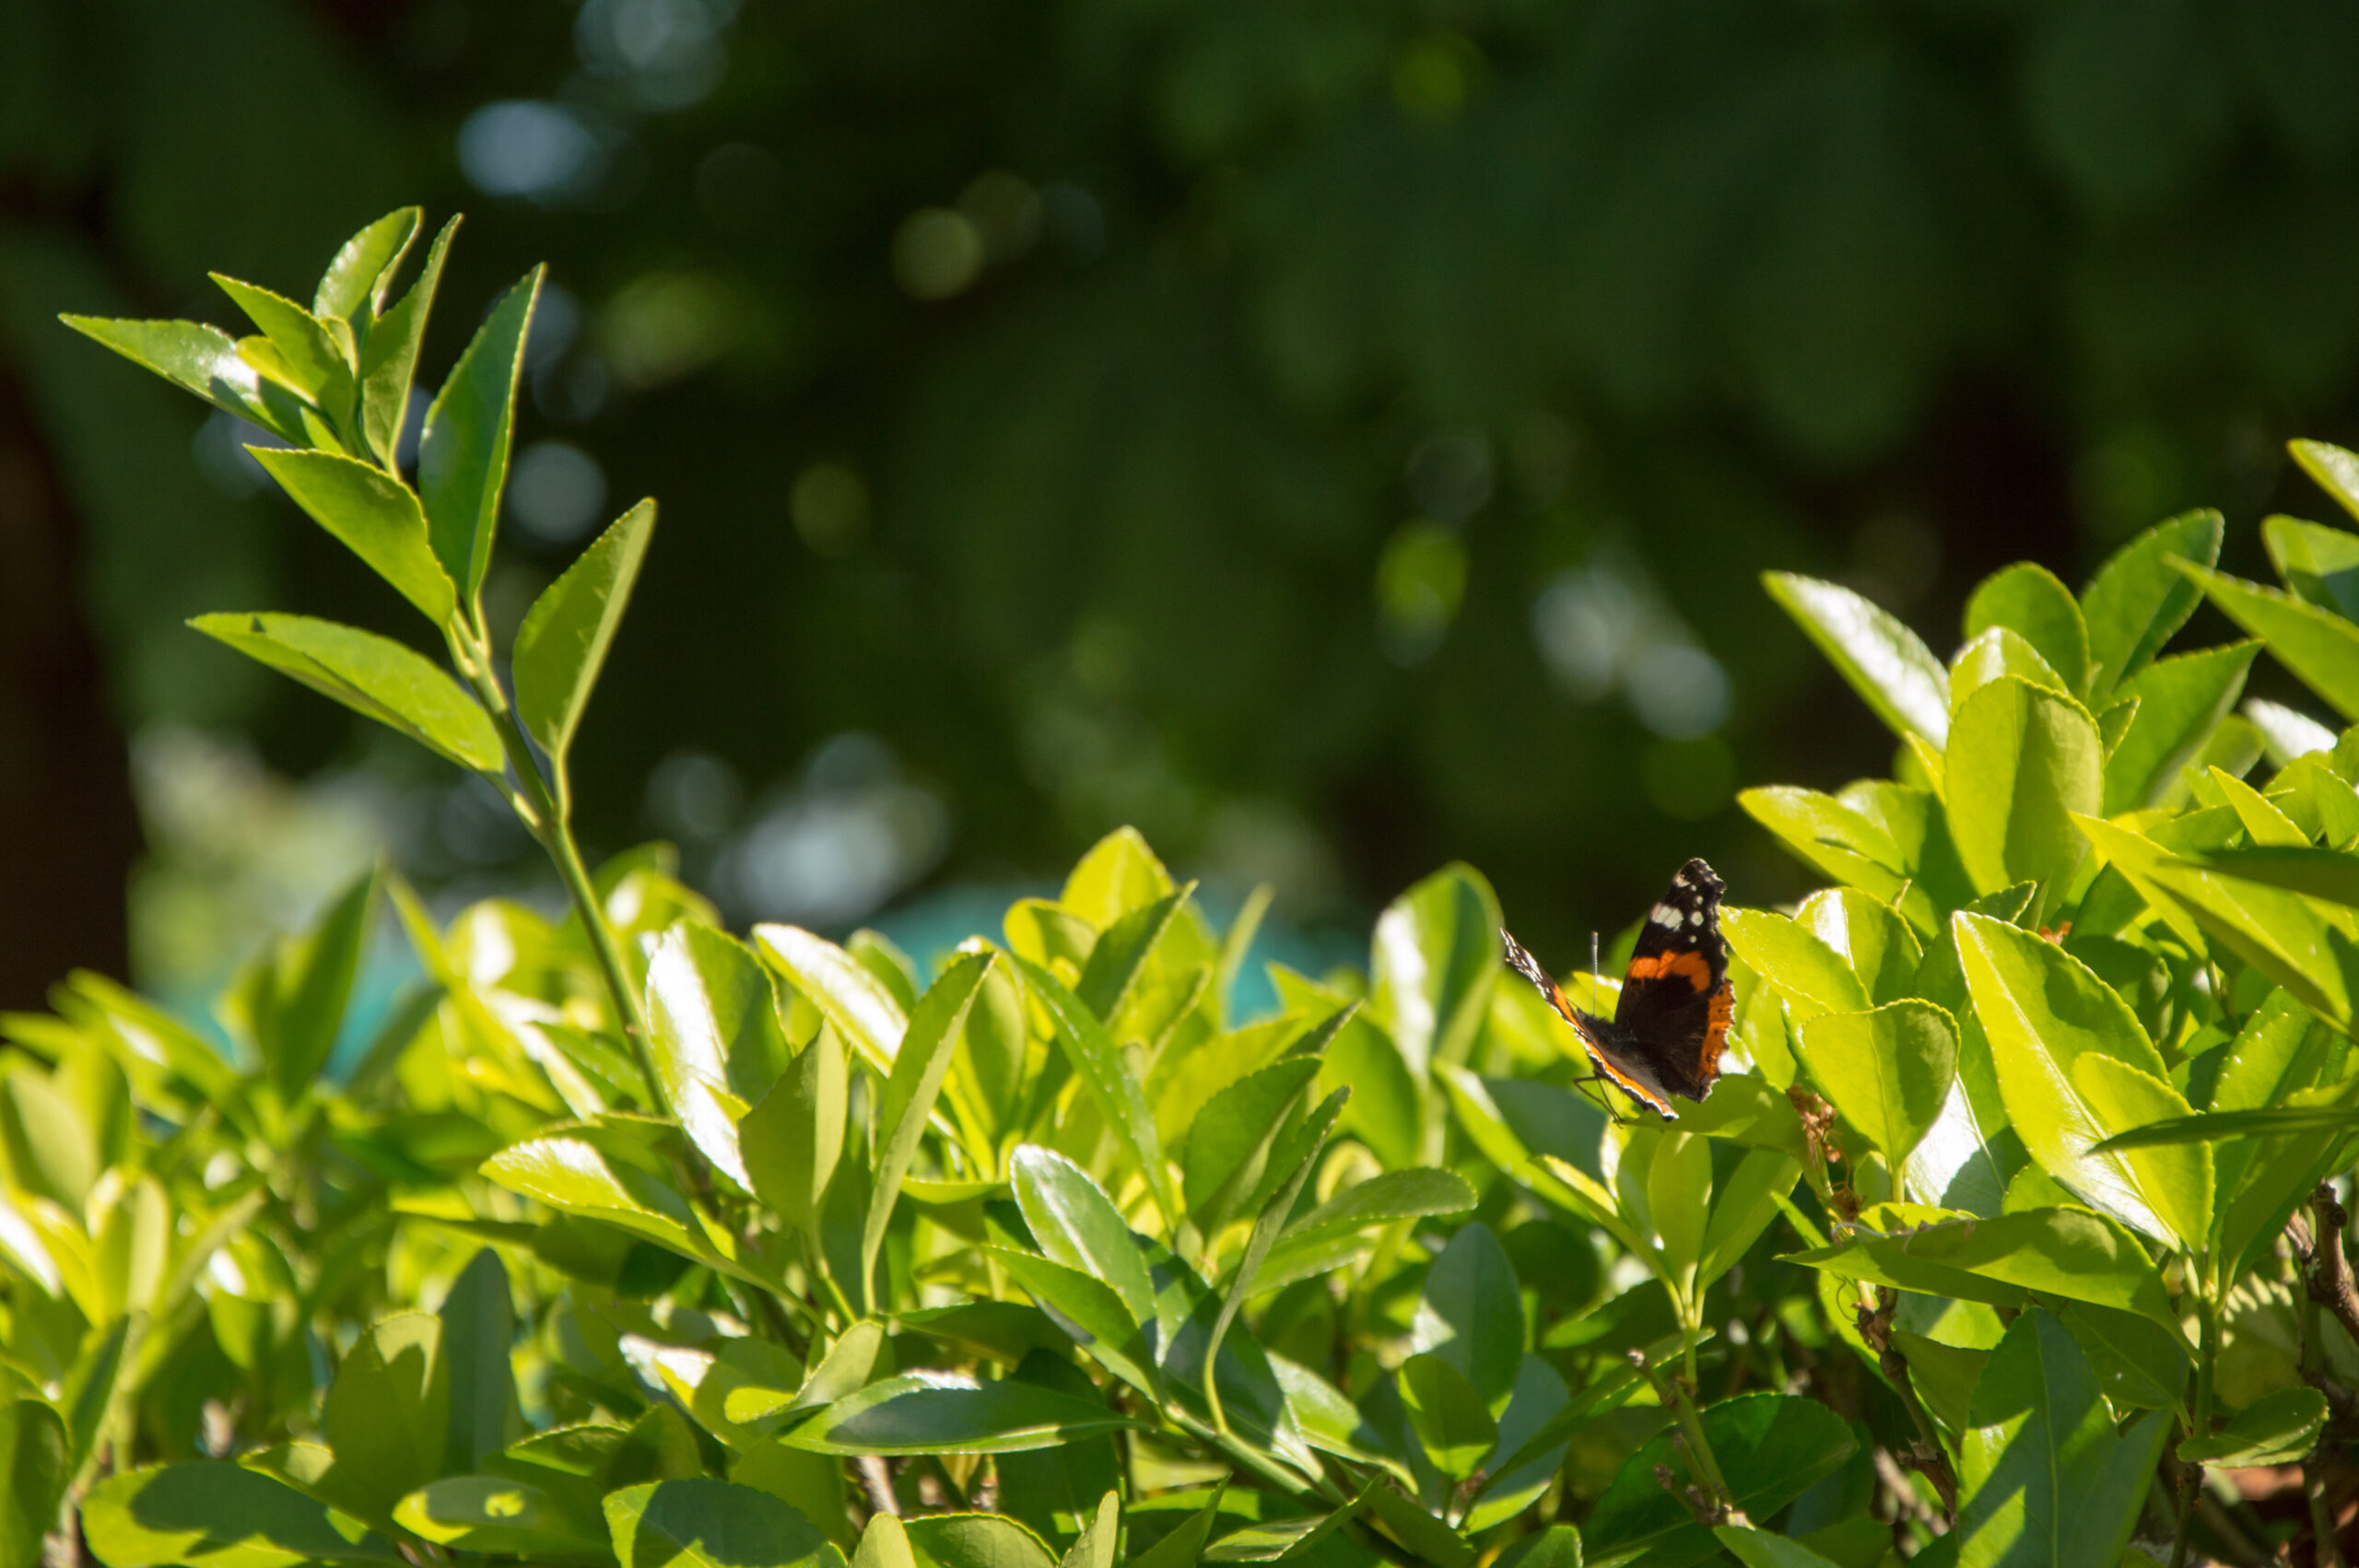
<point>1361,419</point>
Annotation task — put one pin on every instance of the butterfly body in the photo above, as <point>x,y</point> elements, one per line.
<point>1672,1023</point>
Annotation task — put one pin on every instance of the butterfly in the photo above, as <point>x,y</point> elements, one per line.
<point>1672,1023</point>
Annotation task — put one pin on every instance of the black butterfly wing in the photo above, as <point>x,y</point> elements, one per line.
<point>1676,1000</point>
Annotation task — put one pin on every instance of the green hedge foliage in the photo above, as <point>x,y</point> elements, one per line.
<point>625,1241</point>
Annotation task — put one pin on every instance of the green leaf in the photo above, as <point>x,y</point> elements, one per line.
<point>1123,952</point>
<point>1886,663</point>
<point>571,1173</point>
<point>2068,1253</point>
<point>374,677</point>
<point>975,1541</point>
<point>862,1008</point>
<point>1540,1398</point>
<point>1058,1492</point>
<point>1434,960</point>
<point>712,1025</point>
<point>1888,1070</point>
<point>1471,1315</point>
<point>1078,1225</point>
<point>374,515</point>
<point>2044,1479</point>
<point>1995,652</point>
<point>907,1100</point>
<point>2321,564</point>
<point>2042,1010</point>
<point>363,268</point>
<point>1231,1135</point>
<point>1291,1165</point>
<point>35,1466</point>
<point>1106,1074</point>
<point>463,453</point>
<point>883,1544</point>
<point>389,353</point>
<point>697,1522</point>
<point>1090,1312</point>
<point>387,1416</point>
<point>937,1412</point>
<point>2021,761</point>
<point>2276,1429</point>
<point>1771,1447</point>
<point>562,644</point>
<point>1758,1548</point>
<point>2026,599</point>
<point>792,1141</point>
<point>1450,1418</point>
<point>2264,823</point>
<point>2176,1181</point>
<point>1814,976</point>
<point>493,1513</point>
<point>1335,1230</point>
<point>2180,702</point>
<point>1119,874</point>
<point>312,360</point>
<point>1183,1547</point>
<point>1840,841</point>
<point>2141,1365</point>
<point>1097,1542</point>
<point>310,985</point>
<point>2319,646</point>
<point>2137,599</point>
<point>201,359</point>
<point>2336,471</point>
<point>1876,942</point>
<point>212,1513</point>
<point>2214,1126</point>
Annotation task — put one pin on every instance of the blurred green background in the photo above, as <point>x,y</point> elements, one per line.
<point>1337,435</point>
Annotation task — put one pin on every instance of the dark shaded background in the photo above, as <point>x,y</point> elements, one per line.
<point>1335,435</point>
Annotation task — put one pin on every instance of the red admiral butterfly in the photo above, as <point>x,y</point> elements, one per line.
<point>1672,1021</point>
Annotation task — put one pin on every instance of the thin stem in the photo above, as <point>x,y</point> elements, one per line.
<point>1676,1392</point>
<point>2199,1421</point>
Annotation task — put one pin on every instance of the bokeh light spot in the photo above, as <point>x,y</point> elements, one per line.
<point>523,148</point>
<point>1420,582</point>
<point>829,506</point>
<point>555,491</point>
<point>936,254</point>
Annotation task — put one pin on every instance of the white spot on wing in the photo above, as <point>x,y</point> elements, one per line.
<point>1664,914</point>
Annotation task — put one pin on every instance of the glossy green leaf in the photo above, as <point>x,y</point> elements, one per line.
<point>1843,843</point>
<point>2021,762</point>
<point>201,359</point>
<point>1471,1315</point>
<point>2319,646</point>
<point>2026,600</point>
<point>1888,1070</point>
<point>2042,1010</point>
<point>2335,470</point>
<point>1433,962</point>
<point>1183,1547</point>
<point>792,1139</point>
<point>2069,1253</point>
<point>463,452</point>
<point>1814,976</point>
<point>571,1172</point>
<point>712,1025</point>
<point>1119,874</point>
<point>310,987</point>
<point>2141,1365</point>
<point>1092,1313</point>
<point>1886,663</point>
<point>312,360</point>
<point>2321,564</point>
<point>1868,936</point>
<point>907,1102</point>
<point>1291,1165</point>
<point>562,644</point>
<point>1096,1545</point>
<point>2181,701</point>
<point>1540,1398</point>
<point>976,1541</point>
<point>693,1522</point>
<point>374,677</point>
<point>1123,952</point>
<point>493,1513</point>
<point>1995,652</point>
<point>2175,1180</point>
<point>2276,1429</point>
<point>1232,1133</point>
<point>1078,1225</point>
<point>1771,1447</point>
<point>1677,1195</point>
<point>1098,1062</point>
<point>362,269</point>
<point>1448,1416</point>
<point>862,1007</point>
<point>387,1416</point>
<point>212,1513</point>
<point>2264,823</point>
<point>1310,1243</point>
<point>933,1412</point>
<point>2212,1127</point>
<point>2137,599</point>
<point>374,515</point>
<point>2045,1481</point>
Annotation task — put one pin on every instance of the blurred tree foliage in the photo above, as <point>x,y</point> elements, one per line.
<point>1333,436</point>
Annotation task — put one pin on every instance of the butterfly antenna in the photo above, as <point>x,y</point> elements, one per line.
<point>1592,952</point>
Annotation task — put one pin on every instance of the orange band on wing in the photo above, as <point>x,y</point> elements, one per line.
<point>1663,965</point>
<point>1715,1034</point>
<point>1621,1081</point>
